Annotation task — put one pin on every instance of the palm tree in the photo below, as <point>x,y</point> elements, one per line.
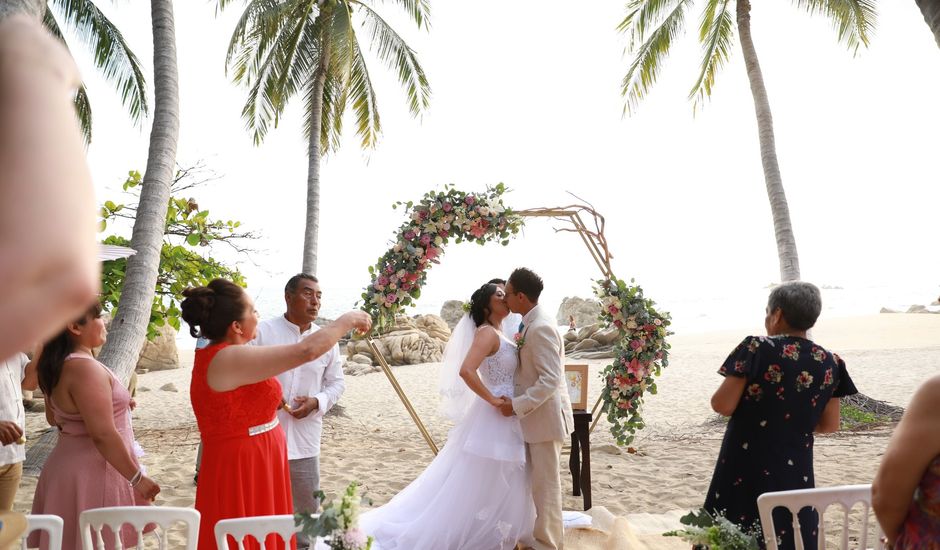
<point>931,11</point>
<point>129,325</point>
<point>653,25</point>
<point>284,48</point>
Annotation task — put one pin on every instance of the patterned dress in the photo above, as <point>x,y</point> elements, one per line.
<point>921,528</point>
<point>768,444</point>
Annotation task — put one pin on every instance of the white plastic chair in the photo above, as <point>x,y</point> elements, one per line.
<point>137,517</point>
<point>52,525</point>
<point>258,527</point>
<point>820,499</point>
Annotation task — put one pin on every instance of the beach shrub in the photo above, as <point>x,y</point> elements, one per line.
<point>189,230</point>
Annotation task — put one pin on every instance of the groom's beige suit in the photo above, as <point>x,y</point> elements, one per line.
<point>544,409</point>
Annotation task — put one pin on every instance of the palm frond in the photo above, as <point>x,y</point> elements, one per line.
<point>645,68</point>
<point>261,20</point>
<point>363,102</point>
<point>342,37</point>
<point>274,79</point>
<point>112,55</point>
<point>854,20</point>
<point>716,33</point>
<point>82,105</point>
<point>641,16</point>
<point>393,50</point>
<point>418,10</point>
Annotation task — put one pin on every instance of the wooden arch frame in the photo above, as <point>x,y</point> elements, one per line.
<point>594,240</point>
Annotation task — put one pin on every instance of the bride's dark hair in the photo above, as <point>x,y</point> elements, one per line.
<point>480,303</point>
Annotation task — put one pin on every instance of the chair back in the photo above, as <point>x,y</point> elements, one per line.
<point>138,517</point>
<point>258,527</point>
<point>846,496</point>
<point>52,525</point>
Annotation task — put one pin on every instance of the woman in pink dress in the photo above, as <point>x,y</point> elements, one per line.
<point>93,464</point>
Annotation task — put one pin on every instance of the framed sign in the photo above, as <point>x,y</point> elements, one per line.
<point>576,377</point>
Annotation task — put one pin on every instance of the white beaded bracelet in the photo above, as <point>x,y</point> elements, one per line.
<point>136,479</point>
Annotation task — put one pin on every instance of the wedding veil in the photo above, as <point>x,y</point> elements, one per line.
<point>456,396</point>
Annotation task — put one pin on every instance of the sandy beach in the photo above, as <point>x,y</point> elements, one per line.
<point>370,437</point>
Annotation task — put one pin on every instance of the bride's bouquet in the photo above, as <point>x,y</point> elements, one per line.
<point>337,523</point>
<point>715,532</point>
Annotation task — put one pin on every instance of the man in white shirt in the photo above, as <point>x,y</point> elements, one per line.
<point>16,374</point>
<point>310,390</point>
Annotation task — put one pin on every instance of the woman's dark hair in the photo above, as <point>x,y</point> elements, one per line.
<point>799,302</point>
<point>210,309</point>
<point>480,303</point>
<point>53,354</point>
<point>525,280</point>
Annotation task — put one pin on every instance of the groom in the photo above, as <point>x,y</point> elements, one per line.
<point>541,402</point>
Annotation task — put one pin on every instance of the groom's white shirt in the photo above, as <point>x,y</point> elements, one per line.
<point>542,403</point>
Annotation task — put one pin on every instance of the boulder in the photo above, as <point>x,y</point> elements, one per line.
<point>160,353</point>
<point>451,312</point>
<point>412,347</point>
<point>571,336</point>
<point>588,331</point>
<point>918,309</point>
<point>433,326</point>
<point>362,359</point>
<point>358,369</point>
<point>169,387</point>
<point>586,344</point>
<point>887,310</point>
<point>585,312</point>
<point>607,336</point>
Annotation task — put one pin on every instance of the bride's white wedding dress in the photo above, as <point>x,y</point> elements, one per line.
<point>475,495</point>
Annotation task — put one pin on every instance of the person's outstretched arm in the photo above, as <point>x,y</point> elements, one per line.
<point>915,443</point>
<point>49,273</point>
<point>237,366</point>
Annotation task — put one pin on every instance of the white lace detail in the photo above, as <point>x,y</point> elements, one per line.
<point>497,370</point>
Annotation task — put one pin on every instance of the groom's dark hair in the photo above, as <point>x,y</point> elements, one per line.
<point>525,280</point>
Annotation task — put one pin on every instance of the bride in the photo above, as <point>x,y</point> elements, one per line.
<point>475,494</point>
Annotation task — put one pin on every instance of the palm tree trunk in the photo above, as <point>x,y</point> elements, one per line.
<point>129,326</point>
<point>33,8</point>
<point>314,154</point>
<point>931,11</point>
<point>783,231</point>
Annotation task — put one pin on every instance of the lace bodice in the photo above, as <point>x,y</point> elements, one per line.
<point>497,370</point>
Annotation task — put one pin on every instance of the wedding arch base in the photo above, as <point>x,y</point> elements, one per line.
<point>397,278</point>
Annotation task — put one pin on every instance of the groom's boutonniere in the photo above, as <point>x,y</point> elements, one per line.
<point>520,340</point>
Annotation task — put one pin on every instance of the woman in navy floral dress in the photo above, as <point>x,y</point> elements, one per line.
<point>778,390</point>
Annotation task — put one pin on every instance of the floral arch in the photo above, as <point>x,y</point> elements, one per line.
<point>640,352</point>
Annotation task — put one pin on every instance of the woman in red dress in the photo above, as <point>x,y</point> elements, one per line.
<point>234,394</point>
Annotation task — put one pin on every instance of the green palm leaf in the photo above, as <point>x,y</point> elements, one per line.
<point>391,49</point>
<point>418,10</point>
<point>112,55</point>
<point>645,68</point>
<point>854,20</point>
<point>363,102</point>
<point>716,32</point>
<point>82,105</point>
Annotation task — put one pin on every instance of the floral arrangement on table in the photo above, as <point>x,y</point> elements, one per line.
<point>639,354</point>
<point>398,276</point>
<point>337,523</point>
<point>715,532</point>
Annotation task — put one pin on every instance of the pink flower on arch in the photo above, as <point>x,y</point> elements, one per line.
<point>618,323</point>
<point>383,280</point>
<point>432,253</point>
<point>425,239</point>
<point>635,345</point>
<point>391,298</point>
<point>409,235</point>
<point>479,228</point>
<point>613,310</point>
<point>448,207</point>
<point>469,200</point>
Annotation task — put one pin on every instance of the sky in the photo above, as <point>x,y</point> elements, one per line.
<point>528,93</point>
